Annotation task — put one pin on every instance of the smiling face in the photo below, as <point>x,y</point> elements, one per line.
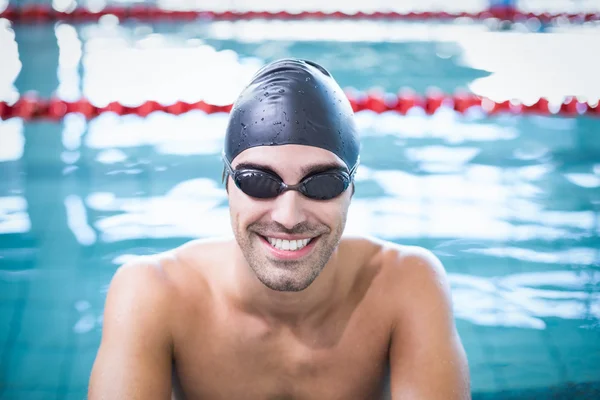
<point>273,233</point>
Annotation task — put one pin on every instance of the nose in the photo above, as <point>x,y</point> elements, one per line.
<point>288,209</point>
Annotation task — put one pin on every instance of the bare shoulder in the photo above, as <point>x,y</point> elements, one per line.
<point>406,273</point>
<point>134,358</point>
<point>155,293</point>
<point>412,263</point>
<point>143,270</point>
<point>418,275</point>
<point>401,261</point>
<point>204,253</point>
<point>426,355</point>
<point>160,278</point>
<point>142,282</point>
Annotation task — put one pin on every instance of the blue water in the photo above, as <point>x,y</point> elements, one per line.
<point>510,204</point>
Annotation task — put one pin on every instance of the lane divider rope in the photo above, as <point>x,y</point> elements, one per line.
<point>31,107</point>
<point>38,13</point>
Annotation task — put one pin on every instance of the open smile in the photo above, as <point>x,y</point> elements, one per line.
<point>289,249</point>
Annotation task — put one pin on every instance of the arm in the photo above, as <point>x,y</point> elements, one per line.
<point>427,358</point>
<point>134,359</point>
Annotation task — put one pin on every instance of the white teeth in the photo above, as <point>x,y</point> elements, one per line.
<point>290,245</point>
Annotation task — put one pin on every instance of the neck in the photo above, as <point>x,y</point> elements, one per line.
<point>290,308</point>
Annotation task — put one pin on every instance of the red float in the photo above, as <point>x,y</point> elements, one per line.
<point>31,107</point>
<point>45,13</point>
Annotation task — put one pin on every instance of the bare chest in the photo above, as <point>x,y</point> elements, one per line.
<point>242,357</point>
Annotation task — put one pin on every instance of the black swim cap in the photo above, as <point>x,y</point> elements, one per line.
<point>293,101</point>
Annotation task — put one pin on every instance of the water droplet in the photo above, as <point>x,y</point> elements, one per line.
<point>307,79</point>
<point>301,91</point>
<point>266,94</point>
<point>281,90</point>
<point>243,125</point>
<point>262,119</point>
<point>297,122</point>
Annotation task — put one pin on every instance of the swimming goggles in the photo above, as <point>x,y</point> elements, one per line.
<point>266,185</point>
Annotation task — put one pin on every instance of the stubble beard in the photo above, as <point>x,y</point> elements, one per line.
<point>287,275</point>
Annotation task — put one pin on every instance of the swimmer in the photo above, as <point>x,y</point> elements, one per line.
<point>289,307</point>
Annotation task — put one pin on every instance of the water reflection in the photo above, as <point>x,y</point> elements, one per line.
<point>544,56</point>
<point>13,215</point>
<point>448,126</point>
<point>74,127</point>
<point>12,139</point>
<point>189,209</point>
<point>84,67</point>
<point>88,318</point>
<point>524,300</point>
<point>204,52</point>
<point>78,222</point>
<point>558,6</point>
<point>111,156</point>
<point>70,53</point>
<point>10,65</point>
<point>398,218</point>
<point>148,57</point>
<point>578,256</point>
<point>584,180</point>
<point>64,5</point>
<point>190,133</point>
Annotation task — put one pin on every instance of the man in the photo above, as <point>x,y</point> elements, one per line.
<point>288,309</point>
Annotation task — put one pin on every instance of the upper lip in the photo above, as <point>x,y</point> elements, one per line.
<point>283,236</point>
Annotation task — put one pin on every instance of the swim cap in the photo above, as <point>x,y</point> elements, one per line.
<point>291,101</point>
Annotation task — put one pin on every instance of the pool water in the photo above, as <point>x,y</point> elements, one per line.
<point>510,204</point>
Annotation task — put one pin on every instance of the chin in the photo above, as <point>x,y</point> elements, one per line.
<point>289,277</point>
<point>285,285</point>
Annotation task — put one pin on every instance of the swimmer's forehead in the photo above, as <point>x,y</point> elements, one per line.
<point>290,157</point>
